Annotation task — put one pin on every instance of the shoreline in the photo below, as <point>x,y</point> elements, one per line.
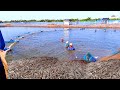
<point>113,26</point>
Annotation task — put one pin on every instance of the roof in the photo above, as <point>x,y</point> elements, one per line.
<point>113,16</point>
<point>67,19</point>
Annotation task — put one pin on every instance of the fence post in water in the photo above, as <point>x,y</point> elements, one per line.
<point>62,40</point>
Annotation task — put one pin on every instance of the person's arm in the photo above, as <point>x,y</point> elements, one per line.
<point>2,55</point>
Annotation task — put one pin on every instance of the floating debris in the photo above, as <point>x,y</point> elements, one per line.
<point>10,41</point>
<point>18,36</point>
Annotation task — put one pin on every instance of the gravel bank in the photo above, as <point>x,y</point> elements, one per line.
<point>52,68</point>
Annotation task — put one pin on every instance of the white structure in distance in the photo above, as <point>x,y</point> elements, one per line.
<point>67,22</point>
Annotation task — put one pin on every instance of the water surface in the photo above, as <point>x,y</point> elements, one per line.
<point>48,43</point>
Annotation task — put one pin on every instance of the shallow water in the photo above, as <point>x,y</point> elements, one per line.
<point>48,43</point>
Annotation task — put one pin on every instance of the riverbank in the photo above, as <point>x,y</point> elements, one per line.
<point>52,68</point>
<point>113,26</point>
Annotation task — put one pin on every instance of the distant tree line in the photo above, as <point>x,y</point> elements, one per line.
<point>115,19</point>
<point>33,20</point>
<point>89,19</point>
<point>58,20</point>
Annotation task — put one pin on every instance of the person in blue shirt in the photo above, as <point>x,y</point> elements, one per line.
<point>3,63</point>
<point>67,44</point>
<point>71,47</point>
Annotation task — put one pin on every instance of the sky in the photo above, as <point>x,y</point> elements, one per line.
<point>28,15</point>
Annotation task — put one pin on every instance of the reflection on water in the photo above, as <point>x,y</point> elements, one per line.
<point>66,28</point>
<point>47,43</point>
<point>66,35</point>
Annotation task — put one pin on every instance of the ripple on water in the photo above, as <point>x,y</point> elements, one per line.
<point>48,44</point>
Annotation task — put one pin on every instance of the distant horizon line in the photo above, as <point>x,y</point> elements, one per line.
<point>56,19</point>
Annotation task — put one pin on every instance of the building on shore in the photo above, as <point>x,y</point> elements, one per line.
<point>113,17</point>
<point>105,20</point>
<point>67,22</point>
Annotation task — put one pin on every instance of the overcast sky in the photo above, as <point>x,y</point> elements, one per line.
<point>27,15</point>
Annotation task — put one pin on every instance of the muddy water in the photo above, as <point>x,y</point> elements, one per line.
<point>99,43</point>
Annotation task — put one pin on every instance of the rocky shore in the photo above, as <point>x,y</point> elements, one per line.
<point>52,68</point>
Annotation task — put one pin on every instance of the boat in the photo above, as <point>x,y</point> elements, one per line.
<point>89,58</point>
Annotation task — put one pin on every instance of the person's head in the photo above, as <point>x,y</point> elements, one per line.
<point>88,54</point>
<point>71,44</point>
<point>62,39</point>
<point>67,41</point>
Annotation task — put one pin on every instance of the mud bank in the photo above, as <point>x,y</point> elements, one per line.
<point>52,68</point>
<point>114,26</point>
<point>116,56</point>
